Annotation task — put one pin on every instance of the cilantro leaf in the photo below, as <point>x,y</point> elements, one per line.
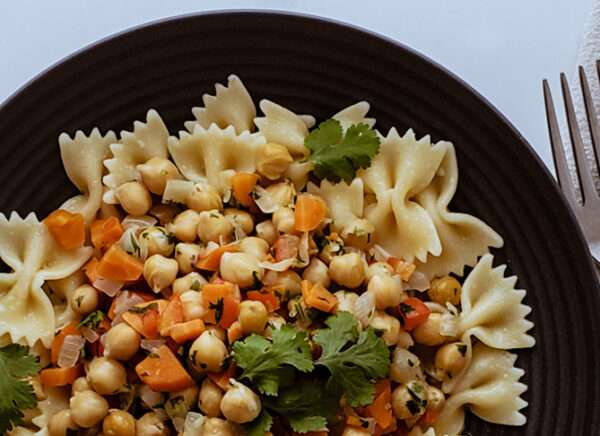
<point>92,320</point>
<point>307,406</point>
<point>260,425</point>
<point>337,157</point>
<point>271,365</point>
<point>352,367</point>
<point>15,363</point>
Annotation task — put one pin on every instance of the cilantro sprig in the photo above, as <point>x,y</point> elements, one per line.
<point>15,363</point>
<point>337,157</point>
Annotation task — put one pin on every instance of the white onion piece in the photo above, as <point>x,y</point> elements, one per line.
<point>448,325</point>
<point>131,244</point>
<point>178,422</point>
<point>176,191</point>
<point>364,308</point>
<point>109,287</point>
<point>161,414</point>
<point>70,351</point>
<point>208,248</point>
<point>126,399</point>
<point>173,413</point>
<point>193,425</point>
<point>264,200</point>
<point>152,399</point>
<point>125,301</point>
<point>418,281</point>
<point>138,222</point>
<point>152,344</point>
<point>90,335</point>
<point>280,266</point>
<point>303,253</point>
<point>435,307</point>
<point>225,188</point>
<point>379,253</point>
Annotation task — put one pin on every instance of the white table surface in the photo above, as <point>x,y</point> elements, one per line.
<point>502,48</point>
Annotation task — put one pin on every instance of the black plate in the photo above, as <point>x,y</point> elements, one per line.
<point>317,66</point>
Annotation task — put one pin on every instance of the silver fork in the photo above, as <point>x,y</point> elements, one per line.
<point>588,213</point>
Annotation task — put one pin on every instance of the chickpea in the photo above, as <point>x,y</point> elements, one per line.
<point>157,241</point>
<point>160,272</point>
<point>273,160</point>
<point>219,427</point>
<point>186,255</point>
<point>134,198</point>
<point>347,270</point>
<point>240,218</point>
<point>107,376</point>
<point>253,317</point>
<point>289,281</point>
<point>217,331</point>
<point>185,225</point>
<point>203,197</point>
<point>405,366</point>
<point>190,282</point>
<point>88,408</point>
<point>405,340</point>
<point>241,269</point>
<point>345,301</point>
<point>282,194</point>
<point>255,246</point>
<point>209,399</point>
<point>192,304</point>
<point>208,352</point>
<point>389,325</point>
<point>284,220</point>
<point>213,226</point>
<point>317,272</point>
<point>155,173</point>
<point>61,422</point>
<point>121,342</point>
<point>84,299</point>
<point>401,397</point>
<point>151,425</point>
<point>240,404</point>
<point>80,384</point>
<point>359,233</point>
<point>451,359</point>
<point>266,230</point>
<point>379,268</point>
<point>428,333</point>
<point>435,399</point>
<point>332,248</point>
<point>445,289</point>
<point>386,290</point>
<point>355,431</point>
<point>119,423</point>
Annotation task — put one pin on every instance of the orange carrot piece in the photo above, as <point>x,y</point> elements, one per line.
<point>242,185</point>
<point>414,313</point>
<point>163,372</point>
<point>212,261</point>
<point>91,269</point>
<point>54,377</point>
<point>221,379</point>
<point>381,407</point>
<point>234,332</point>
<point>211,294</point>
<point>428,417</point>
<point>117,265</point>
<point>106,232</point>
<point>267,298</point>
<point>285,247</point>
<point>173,314</point>
<point>404,269</point>
<point>231,310</point>
<point>146,327</point>
<point>393,427</point>
<point>187,331</point>
<point>67,229</point>
<point>59,339</point>
<point>317,296</point>
<point>310,212</point>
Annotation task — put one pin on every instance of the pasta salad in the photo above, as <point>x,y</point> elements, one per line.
<point>256,275</point>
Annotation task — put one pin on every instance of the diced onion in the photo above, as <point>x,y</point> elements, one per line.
<point>138,222</point>
<point>125,301</point>
<point>176,191</point>
<point>193,425</point>
<point>280,266</point>
<point>152,399</point>
<point>161,414</point>
<point>264,200</point>
<point>418,281</point>
<point>109,287</point>
<point>152,344</point>
<point>70,351</point>
<point>364,308</point>
<point>303,258</point>
<point>131,244</point>
<point>448,325</point>
<point>208,248</point>
<point>90,335</point>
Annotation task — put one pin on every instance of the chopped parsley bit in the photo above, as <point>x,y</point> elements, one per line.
<point>136,248</point>
<point>413,408</point>
<point>92,320</point>
<point>321,241</point>
<point>254,194</point>
<point>181,351</point>
<point>218,307</point>
<point>359,233</point>
<point>195,285</point>
<point>449,374</point>
<point>405,308</point>
<point>462,349</point>
<point>368,238</point>
<point>300,311</point>
<point>153,355</point>
<point>256,283</point>
<point>227,362</point>
<point>145,374</point>
<point>176,401</point>
<point>144,235</point>
<point>194,355</point>
<point>164,172</point>
<point>214,215</point>
<point>79,300</point>
<point>142,310</point>
<point>411,363</point>
<point>299,259</point>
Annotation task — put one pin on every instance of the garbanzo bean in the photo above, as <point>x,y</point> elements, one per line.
<point>156,240</point>
<point>155,173</point>
<point>84,299</point>
<point>186,255</point>
<point>428,333</point>
<point>160,271</point>
<point>273,160</point>
<point>317,272</point>
<point>134,198</point>
<point>207,353</point>
<point>347,270</point>
<point>240,218</point>
<point>204,197</point>
<point>283,220</point>
<point>119,423</point>
<point>213,226</point>
<point>451,359</point>
<point>241,269</point>
<point>121,342</point>
<point>240,404</point>
<point>386,290</point>
<point>209,399</point>
<point>445,289</point>
<point>266,230</point>
<point>253,316</point>
<point>107,376</point>
<point>88,408</point>
<point>185,226</point>
<point>61,422</point>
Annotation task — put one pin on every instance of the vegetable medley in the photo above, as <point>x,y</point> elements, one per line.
<point>242,314</point>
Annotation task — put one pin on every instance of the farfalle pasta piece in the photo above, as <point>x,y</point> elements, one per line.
<point>206,153</point>
<point>354,114</point>
<point>65,288</point>
<point>26,246</point>
<point>463,237</point>
<point>230,106</point>
<point>82,158</point>
<point>490,388</point>
<point>282,126</point>
<point>491,308</point>
<point>344,201</point>
<point>147,140</point>
<point>403,168</point>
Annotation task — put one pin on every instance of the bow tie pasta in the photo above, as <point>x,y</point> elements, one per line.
<point>257,274</point>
